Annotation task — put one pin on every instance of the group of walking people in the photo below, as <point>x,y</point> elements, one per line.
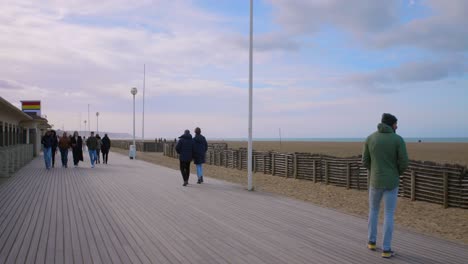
<point>95,145</point>
<point>191,148</point>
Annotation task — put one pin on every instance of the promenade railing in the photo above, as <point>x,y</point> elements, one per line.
<point>12,158</point>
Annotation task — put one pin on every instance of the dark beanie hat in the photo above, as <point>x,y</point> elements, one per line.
<point>389,119</point>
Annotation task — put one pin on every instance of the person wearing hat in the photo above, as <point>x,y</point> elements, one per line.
<point>184,148</point>
<point>386,158</point>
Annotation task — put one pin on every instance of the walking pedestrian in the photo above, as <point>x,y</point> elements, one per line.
<point>98,149</point>
<point>106,145</point>
<point>54,146</point>
<point>77,148</point>
<point>64,144</point>
<point>386,157</point>
<point>185,149</point>
<point>91,143</point>
<point>200,147</point>
<point>46,142</point>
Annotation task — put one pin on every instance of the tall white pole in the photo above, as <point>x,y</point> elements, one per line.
<point>134,122</point>
<point>250,186</point>
<point>143,125</point>
<point>89,122</point>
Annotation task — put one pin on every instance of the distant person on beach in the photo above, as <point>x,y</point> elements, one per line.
<point>105,147</point>
<point>92,145</point>
<point>54,146</point>
<point>200,146</point>
<point>185,150</point>
<point>77,148</point>
<point>46,142</point>
<point>98,149</point>
<point>64,144</point>
<point>386,158</point>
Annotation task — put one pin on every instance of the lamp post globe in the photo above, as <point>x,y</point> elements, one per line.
<point>134,91</point>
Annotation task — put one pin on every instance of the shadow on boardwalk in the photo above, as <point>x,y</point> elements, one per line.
<point>131,211</point>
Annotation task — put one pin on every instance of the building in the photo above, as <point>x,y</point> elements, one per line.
<point>20,137</point>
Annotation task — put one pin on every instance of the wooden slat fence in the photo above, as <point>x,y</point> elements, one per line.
<point>423,181</point>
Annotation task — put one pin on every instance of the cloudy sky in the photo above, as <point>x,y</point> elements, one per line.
<point>322,68</point>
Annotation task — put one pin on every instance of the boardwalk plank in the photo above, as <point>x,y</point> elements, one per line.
<point>131,211</point>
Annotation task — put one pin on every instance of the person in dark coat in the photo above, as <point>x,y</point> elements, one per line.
<point>54,146</point>
<point>184,148</point>
<point>77,148</point>
<point>200,146</point>
<point>46,142</point>
<point>105,147</point>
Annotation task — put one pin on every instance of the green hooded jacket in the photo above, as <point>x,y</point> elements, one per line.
<point>386,157</point>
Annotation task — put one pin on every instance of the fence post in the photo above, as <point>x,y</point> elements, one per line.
<point>254,165</point>
<point>413,185</point>
<point>264,164</point>
<point>326,172</point>
<point>348,175</point>
<point>314,171</point>
<point>286,165</point>
<point>446,190</point>
<point>295,165</point>
<point>273,164</point>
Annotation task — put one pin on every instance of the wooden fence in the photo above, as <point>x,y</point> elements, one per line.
<point>141,146</point>
<point>423,181</point>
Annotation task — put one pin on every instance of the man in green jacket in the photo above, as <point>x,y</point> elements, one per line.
<point>386,159</point>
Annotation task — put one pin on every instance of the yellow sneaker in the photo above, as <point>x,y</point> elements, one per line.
<point>387,254</point>
<point>371,246</point>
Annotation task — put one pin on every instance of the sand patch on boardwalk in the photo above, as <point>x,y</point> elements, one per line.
<point>431,219</point>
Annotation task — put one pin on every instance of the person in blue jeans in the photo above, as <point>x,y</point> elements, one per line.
<point>200,146</point>
<point>92,145</point>
<point>386,158</point>
<point>46,142</point>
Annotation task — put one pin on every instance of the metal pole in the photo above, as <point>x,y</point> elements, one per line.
<point>89,122</point>
<point>250,186</point>
<point>134,122</point>
<point>143,125</point>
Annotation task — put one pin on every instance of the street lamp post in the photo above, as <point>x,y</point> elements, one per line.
<point>134,91</point>
<point>97,122</point>
<point>250,186</point>
<point>85,127</point>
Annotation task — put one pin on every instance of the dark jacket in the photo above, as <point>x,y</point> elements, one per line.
<point>54,141</point>
<point>386,157</point>
<point>92,143</point>
<point>106,144</point>
<point>77,147</point>
<point>200,146</point>
<point>184,147</point>
<point>47,141</point>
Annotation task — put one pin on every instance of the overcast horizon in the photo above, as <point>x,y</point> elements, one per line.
<point>322,69</point>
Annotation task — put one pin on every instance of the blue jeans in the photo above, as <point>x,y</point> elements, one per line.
<point>390,201</point>
<point>199,170</point>
<point>92,157</point>
<point>64,155</point>
<point>48,157</point>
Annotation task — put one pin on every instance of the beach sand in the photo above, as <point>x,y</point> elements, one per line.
<point>427,218</point>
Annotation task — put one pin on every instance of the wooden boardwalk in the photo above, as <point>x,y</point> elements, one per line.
<point>137,212</point>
